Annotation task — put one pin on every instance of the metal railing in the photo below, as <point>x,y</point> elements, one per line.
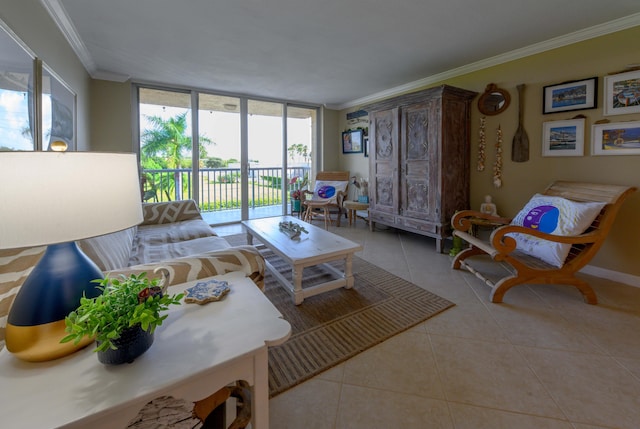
<point>220,188</point>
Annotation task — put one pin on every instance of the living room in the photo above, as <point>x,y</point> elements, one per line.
<point>105,123</point>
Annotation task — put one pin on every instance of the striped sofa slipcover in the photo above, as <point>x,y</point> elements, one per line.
<point>172,241</point>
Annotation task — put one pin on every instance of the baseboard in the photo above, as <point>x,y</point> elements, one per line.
<point>616,276</point>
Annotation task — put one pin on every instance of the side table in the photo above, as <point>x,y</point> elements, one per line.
<point>197,350</point>
<point>352,207</point>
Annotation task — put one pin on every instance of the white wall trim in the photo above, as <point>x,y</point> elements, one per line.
<point>557,42</point>
<point>62,20</point>
<point>616,276</point>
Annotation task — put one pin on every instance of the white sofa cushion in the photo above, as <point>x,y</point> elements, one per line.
<point>110,251</point>
<point>153,252</point>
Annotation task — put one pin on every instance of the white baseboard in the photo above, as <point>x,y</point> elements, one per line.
<point>616,276</point>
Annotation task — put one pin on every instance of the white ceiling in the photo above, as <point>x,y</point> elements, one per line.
<point>331,52</point>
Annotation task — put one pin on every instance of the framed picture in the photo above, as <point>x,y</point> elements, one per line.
<point>574,95</point>
<point>352,141</point>
<point>622,138</point>
<point>366,147</point>
<point>563,138</point>
<point>622,93</point>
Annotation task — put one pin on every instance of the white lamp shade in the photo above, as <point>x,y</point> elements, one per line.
<point>56,197</point>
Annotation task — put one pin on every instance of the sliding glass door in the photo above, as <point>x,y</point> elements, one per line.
<point>166,145</point>
<point>265,148</point>
<point>220,171</point>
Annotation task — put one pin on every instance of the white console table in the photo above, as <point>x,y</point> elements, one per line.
<point>196,351</point>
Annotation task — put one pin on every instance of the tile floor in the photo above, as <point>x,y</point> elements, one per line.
<point>543,359</point>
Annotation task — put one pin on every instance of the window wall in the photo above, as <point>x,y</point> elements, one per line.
<point>37,109</point>
<point>239,157</point>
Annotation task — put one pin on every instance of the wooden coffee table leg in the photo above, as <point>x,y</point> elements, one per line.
<point>296,272</point>
<point>348,274</point>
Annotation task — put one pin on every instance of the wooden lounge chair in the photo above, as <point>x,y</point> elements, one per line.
<point>532,270</point>
<point>318,208</point>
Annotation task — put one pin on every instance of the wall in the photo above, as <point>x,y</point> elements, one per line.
<point>595,57</point>
<point>111,108</point>
<point>32,24</point>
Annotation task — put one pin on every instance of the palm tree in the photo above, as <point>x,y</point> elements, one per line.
<point>166,145</point>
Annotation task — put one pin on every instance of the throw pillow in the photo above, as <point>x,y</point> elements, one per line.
<point>327,190</point>
<point>553,215</point>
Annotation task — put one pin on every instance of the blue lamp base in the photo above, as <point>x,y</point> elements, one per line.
<point>35,324</point>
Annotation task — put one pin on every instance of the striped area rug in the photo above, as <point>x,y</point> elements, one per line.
<point>329,328</point>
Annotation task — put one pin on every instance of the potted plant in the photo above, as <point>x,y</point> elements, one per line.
<point>296,184</point>
<point>122,319</point>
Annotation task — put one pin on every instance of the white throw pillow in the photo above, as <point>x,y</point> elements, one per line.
<point>327,190</point>
<point>553,215</point>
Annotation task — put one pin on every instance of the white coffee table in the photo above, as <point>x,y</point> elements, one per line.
<point>315,248</point>
<point>196,351</point>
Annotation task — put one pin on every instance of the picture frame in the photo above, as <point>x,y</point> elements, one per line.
<point>366,147</point>
<point>563,138</point>
<point>622,138</point>
<point>573,95</point>
<point>352,141</point>
<point>622,93</point>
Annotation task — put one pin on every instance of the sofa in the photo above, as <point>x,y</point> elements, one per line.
<point>173,241</point>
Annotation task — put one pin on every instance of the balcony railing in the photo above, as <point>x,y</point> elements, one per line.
<point>219,188</point>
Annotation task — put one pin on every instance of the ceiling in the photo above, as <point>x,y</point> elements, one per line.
<point>329,52</point>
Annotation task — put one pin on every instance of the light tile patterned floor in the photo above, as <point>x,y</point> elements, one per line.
<point>542,360</point>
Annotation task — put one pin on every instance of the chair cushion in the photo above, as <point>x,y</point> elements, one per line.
<point>553,215</point>
<point>327,190</point>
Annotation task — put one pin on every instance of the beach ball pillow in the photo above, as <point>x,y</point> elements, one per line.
<point>327,190</point>
<point>553,215</point>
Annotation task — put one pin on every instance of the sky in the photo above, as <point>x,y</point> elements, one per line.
<point>223,128</point>
<point>14,117</point>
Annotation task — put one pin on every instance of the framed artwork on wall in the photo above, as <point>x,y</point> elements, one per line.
<point>622,93</point>
<point>352,141</point>
<point>622,138</point>
<point>366,147</point>
<point>563,138</point>
<point>574,95</point>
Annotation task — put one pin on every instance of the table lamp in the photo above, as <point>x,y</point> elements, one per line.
<point>53,199</point>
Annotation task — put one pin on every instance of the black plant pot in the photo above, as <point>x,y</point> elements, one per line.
<point>131,344</point>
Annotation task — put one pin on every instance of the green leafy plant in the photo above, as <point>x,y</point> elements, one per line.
<point>124,303</point>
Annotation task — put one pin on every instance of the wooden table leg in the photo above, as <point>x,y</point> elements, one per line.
<point>348,271</point>
<point>296,273</point>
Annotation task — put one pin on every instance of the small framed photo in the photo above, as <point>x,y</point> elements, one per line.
<point>352,141</point>
<point>622,93</point>
<point>366,147</point>
<point>622,138</point>
<point>574,95</point>
<point>563,138</point>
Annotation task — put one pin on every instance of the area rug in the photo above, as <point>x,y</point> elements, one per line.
<point>329,328</point>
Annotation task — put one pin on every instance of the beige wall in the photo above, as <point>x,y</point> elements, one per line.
<point>111,111</point>
<point>596,57</point>
<point>32,24</point>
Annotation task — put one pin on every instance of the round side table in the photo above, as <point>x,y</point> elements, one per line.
<point>352,207</point>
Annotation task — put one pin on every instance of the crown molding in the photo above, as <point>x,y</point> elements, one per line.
<point>62,20</point>
<point>557,42</point>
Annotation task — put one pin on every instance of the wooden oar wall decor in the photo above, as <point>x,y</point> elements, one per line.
<point>520,145</point>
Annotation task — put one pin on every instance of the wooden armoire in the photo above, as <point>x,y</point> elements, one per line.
<point>419,160</point>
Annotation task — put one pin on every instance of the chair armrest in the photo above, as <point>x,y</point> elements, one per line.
<point>342,195</point>
<point>169,211</point>
<point>505,244</point>
<point>463,220</point>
